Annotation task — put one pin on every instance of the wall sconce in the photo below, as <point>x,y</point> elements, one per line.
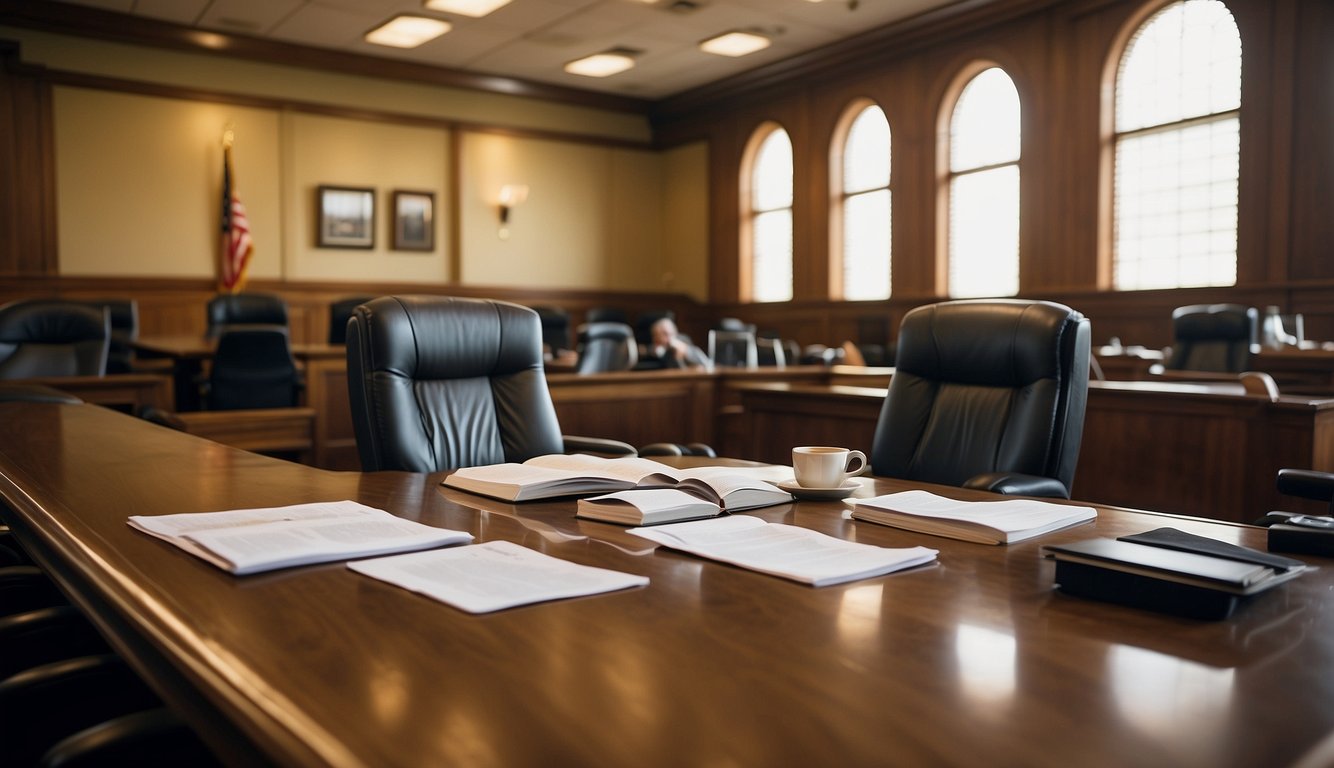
<point>511,195</point>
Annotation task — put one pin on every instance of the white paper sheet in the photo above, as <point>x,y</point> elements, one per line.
<point>788,551</point>
<point>493,576</point>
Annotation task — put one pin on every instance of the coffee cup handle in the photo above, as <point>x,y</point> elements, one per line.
<point>856,464</point>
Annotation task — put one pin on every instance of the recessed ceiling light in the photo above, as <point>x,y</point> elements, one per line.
<point>600,65</point>
<point>473,8</point>
<point>407,31</point>
<point>735,44</point>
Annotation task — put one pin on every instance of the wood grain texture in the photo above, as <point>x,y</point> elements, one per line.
<point>974,659</point>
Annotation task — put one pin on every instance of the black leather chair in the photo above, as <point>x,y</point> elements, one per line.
<point>555,328</point>
<point>437,383</point>
<point>733,349</point>
<point>252,368</point>
<point>606,347</point>
<point>987,394</point>
<point>228,309</point>
<point>52,338</point>
<point>1213,337</point>
<point>644,324</point>
<point>339,313</point>
<point>123,315</point>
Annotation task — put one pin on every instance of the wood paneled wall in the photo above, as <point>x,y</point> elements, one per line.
<point>1060,55</point>
<point>169,307</point>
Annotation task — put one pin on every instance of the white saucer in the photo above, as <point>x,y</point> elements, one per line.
<point>820,494</point>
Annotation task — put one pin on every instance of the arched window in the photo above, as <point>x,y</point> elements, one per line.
<point>768,203</point>
<point>864,214</point>
<point>984,188</point>
<point>1177,142</point>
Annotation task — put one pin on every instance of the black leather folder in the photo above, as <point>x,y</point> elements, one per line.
<point>1169,571</point>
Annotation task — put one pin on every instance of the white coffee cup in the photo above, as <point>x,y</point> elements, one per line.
<point>823,466</point>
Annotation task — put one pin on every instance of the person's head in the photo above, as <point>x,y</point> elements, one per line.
<point>663,332</point>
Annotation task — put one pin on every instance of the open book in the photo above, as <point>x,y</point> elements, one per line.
<point>789,551</point>
<point>985,522</point>
<point>555,475</point>
<point>692,498</point>
<point>246,541</point>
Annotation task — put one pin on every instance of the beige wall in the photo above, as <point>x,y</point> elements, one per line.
<point>353,153</point>
<point>138,179</point>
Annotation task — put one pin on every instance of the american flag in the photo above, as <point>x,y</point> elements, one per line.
<point>236,245</point>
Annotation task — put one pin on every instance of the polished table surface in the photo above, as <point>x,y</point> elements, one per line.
<point>972,661</point>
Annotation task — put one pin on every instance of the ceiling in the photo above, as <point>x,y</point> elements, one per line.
<point>533,39</point>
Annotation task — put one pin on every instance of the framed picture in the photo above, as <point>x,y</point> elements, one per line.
<point>347,217</point>
<point>414,221</point>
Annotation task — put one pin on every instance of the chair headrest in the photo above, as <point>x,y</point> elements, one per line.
<point>50,322</point>
<point>606,330</point>
<point>993,342</point>
<point>468,338</point>
<point>1214,322</point>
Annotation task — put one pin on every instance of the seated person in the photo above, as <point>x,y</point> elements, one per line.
<point>674,350</point>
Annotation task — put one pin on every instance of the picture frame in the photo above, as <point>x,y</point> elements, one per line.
<point>413,221</point>
<point>346,217</point>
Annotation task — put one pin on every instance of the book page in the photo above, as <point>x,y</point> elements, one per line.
<point>788,551</point>
<point>493,576</point>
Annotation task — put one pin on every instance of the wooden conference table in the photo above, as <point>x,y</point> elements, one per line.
<point>972,661</point>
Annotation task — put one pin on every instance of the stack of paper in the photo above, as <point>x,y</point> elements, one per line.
<point>794,553</point>
<point>246,541</point>
<point>985,522</point>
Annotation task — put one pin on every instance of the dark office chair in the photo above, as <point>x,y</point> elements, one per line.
<point>438,383</point>
<point>52,338</point>
<point>606,347</point>
<point>989,395</point>
<point>644,324</point>
<point>555,328</point>
<point>1213,337</point>
<point>252,368</point>
<point>124,317</point>
<point>227,309</point>
<point>770,352</point>
<point>733,349</point>
<point>339,313</point>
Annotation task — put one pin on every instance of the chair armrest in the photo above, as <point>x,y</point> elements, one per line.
<point>575,444</point>
<point>1306,483</point>
<point>1018,484</point>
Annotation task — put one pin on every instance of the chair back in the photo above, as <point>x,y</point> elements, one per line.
<point>124,317</point>
<point>245,309</point>
<point>644,324</point>
<point>253,368</point>
<point>437,383</point>
<point>733,349</point>
<point>339,313</point>
<point>555,328</point>
<point>40,338</point>
<point>769,352</point>
<point>1213,337</point>
<point>606,347</point>
<point>985,386</point>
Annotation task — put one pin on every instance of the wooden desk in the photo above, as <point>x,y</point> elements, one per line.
<point>972,661</point>
<point>1198,449</point>
<point>125,391</point>
<point>188,354</point>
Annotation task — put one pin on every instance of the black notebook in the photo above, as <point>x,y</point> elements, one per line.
<point>1169,571</point>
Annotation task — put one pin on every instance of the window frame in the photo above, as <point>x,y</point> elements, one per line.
<point>839,196</point>
<point>1111,140</point>
<point>748,213</point>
